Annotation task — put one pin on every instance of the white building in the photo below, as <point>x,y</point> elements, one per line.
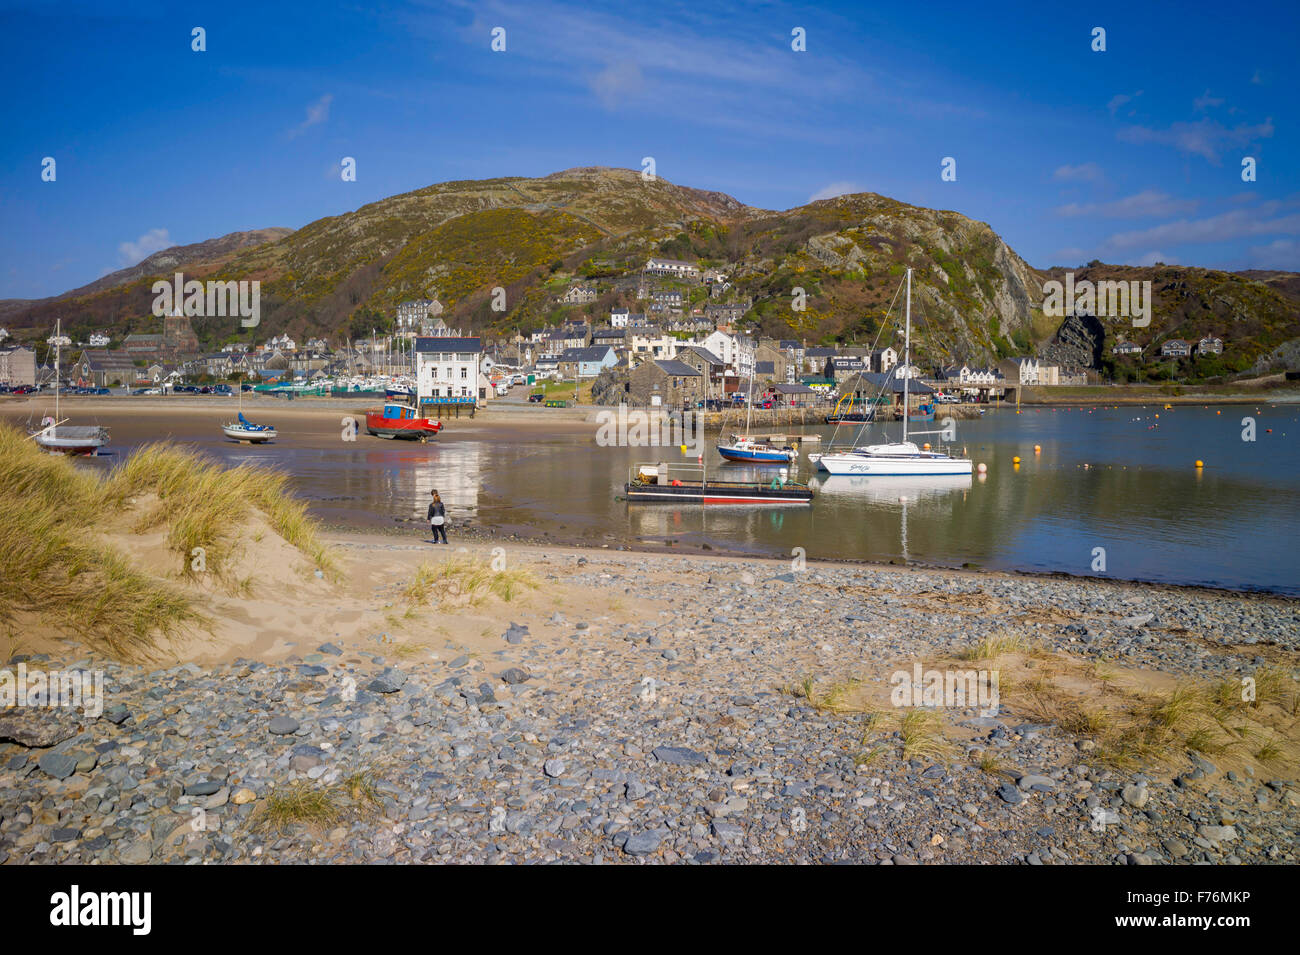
<point>96,340</point>
<point>736,350</point>
<point>651,343</point>
<point>281,342</point>
<point>673,267</point>
<point>448,369</point>
<point>1034,372</point>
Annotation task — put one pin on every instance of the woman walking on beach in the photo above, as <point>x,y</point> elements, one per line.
<point>438,517</point>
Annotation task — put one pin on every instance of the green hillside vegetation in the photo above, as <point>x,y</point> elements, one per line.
<point>974,299</point>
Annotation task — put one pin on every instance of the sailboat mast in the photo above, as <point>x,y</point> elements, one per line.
<point>58,354</point>
<point>907,353</point>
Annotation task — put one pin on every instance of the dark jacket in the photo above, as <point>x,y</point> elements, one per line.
<point>436,507</point>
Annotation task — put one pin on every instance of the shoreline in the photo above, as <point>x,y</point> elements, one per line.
<point>477,535</point>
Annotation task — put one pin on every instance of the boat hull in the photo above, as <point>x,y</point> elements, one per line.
<point>413,429</point>
<point>236,433</point>
<point>718,492</point>
<point>755,457</point>
<point>76,439</point>
<point>867,465</point>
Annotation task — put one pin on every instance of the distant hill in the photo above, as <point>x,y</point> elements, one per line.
<point>974,298</point>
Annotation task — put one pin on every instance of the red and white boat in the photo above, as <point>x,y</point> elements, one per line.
<point>401,420</point>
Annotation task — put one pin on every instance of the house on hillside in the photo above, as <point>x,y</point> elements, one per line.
<point>1126,348</point>
<point>667,384</point>
<point>674,268</point>
<point>1209,346</point>
<point>579,295</point>
<point>709,365</point>
<point>1175,348</point>
<point>587,362</point>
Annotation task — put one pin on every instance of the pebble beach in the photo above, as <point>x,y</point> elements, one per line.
<point>652,714</point>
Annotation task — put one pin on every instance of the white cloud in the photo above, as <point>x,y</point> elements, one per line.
<point>1237,224</point>
<point>1119,99</point>
<point>617,83</point>
<point>1148,203</point>
<point>1206,101</point>
<point>1281,254</point>
<point>1085,172</point>
<point>1204,137</point>
<point>317,113</point>
<point>836,189</point>
<point>155,240</point>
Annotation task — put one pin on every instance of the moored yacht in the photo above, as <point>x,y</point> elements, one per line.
<point>902,457</point>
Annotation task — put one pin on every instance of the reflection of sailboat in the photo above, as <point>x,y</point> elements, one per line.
<point>54,434</point>
<point>893,489</point>
<point>903,457</point>
<point>896,490</point>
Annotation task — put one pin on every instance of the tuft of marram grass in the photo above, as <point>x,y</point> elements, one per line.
<point>317,806</point>
<point>204,505</point>
<point>467,579</point>
<point>995,646</point>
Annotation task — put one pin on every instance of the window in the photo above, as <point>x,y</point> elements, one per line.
<point>464,373</point>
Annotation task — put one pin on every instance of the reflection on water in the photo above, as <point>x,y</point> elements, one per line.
<point>1115,478</point>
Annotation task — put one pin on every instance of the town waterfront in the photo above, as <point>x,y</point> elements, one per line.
<point>1120,479</point>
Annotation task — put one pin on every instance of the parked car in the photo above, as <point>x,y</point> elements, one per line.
<point>222,390</point>
<point>537,397</point>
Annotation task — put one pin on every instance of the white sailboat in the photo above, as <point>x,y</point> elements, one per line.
<point>55,434</point>
<point>243,430</point>
<point>902,458</point>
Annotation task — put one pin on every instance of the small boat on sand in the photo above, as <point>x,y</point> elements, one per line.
<point>54,433</point>
<point>245,430</point>
<point>401,420</point>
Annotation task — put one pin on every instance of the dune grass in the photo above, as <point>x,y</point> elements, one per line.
<point>55,569</point>
<point>203,506</point>
<point>317,806</point>
<point>461,579</point>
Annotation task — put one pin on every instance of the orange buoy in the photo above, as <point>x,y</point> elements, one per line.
<point>1038,449</point>
<point>1200,464</point>
<point>1016,459</point>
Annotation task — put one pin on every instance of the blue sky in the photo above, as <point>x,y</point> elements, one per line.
<point>1130,155</point>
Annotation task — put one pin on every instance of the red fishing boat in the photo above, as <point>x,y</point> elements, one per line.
<point>401,420</point>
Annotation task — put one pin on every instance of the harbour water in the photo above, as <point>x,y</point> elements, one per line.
<point>1113,492</point>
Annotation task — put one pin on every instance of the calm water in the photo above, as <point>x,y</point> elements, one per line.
<point>1234,524</point>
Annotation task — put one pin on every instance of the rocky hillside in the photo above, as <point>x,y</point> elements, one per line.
<point>974,298</point>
